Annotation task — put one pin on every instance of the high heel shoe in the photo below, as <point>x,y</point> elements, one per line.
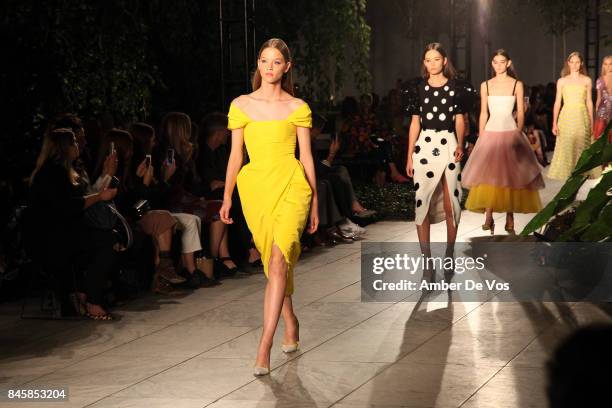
<point>510,229</point>
<point>261,371</point>
<point>290,348</point>
<point>489,227</point>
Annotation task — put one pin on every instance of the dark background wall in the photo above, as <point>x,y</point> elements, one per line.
<point>518,26</point>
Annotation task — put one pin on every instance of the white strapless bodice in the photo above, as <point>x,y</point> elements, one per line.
<point>500,113</point>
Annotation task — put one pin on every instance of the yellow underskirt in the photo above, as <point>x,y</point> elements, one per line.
<point>503,199</point>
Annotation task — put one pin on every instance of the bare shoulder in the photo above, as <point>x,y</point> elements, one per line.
<point>240,101</point>
<point>519,84</point>
<point>587,80</point>
<point>296,103</point>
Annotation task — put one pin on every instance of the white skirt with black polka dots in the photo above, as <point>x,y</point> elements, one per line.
<point>433,157</point>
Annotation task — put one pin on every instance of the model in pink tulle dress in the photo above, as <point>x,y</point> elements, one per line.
<point>502,172</point>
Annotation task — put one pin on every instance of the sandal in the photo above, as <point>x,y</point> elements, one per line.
<point>102,317</point>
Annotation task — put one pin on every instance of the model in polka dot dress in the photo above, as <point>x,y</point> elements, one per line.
<point>435,146</point>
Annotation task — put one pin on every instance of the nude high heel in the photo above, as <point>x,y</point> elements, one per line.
<point>261,371</point>
<point>292,348</point>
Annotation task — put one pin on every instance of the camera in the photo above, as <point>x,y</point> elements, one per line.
<point>170,155</point>
<point>148,160</point>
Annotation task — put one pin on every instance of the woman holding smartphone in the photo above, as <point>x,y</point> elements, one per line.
<point>277,191</point>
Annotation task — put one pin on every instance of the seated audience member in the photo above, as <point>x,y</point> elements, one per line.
<point>578,372</point>
<point>359,131</point>
<point>187,190</point>
<point>58,203</point>
<point>212,166</point>
<point>84,165</point>
<point>145,186</point>
<point>342,185</point>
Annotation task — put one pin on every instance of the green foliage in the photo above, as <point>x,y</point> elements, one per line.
<point>128,59</point>
<point>562,16</point>
<point>82,56</point>
<point>593,217</point>
<point>329,39</point>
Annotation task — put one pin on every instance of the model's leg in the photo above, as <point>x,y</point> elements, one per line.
<point>273,302</point>
<point>292,331</point>
<point>423,231</point>
<point>451,228</point>
<point>510,222</point>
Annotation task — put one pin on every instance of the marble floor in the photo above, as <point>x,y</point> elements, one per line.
<point>198,351</point>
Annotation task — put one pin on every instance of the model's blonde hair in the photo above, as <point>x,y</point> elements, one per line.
<point>176,132</point>
<point>566,69</point>
<point>287,81</point>
<point>602,73</point>
<point>56,146</point>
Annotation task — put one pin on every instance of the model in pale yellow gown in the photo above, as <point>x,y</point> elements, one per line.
<point>574,132</point>
<point>273,188</point>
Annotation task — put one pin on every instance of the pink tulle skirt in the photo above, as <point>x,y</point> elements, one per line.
<point>503,159</point>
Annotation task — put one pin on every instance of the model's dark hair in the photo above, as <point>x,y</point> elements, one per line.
<point>287,81</point>
<point>503,53</point>
<point>448,70</point>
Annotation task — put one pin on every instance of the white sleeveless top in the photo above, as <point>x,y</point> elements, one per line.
<point>500,113</point>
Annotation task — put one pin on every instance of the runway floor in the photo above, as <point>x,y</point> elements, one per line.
<point>198,351</point>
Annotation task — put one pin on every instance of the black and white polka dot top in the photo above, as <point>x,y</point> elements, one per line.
<point>438,106</point>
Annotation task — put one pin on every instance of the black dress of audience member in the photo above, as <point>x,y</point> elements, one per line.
<point>188,191</point>
<point>61,238</point>
<point>212,166</point>
<point>337,175</point>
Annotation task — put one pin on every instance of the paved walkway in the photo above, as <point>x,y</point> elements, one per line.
<point>199,351</point>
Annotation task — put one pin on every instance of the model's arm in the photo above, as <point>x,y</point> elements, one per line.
<point>557,106</point>
<point>303,136</point>
<point>598,100</point>
<point>589,102</point>
<point>233,166</point>
<point>460,132</point>
<point>413,135</point>
<point>484,109</point>
<point>520,106</point>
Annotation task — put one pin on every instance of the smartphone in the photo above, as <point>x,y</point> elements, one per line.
<point>170,155</point>
<point>148,160</point>
<point>112,148</point>
<point>114,183</point>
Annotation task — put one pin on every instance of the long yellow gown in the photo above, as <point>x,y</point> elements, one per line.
<point>273,188</point>
<point>574,132</point>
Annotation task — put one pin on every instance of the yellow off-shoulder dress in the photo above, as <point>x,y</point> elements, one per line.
<point>273,188</point>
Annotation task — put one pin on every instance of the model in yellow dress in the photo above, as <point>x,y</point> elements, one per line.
<point>574,132</point>
<point>278,191</point>
<point>273,189</point>
<point>573,127</point>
